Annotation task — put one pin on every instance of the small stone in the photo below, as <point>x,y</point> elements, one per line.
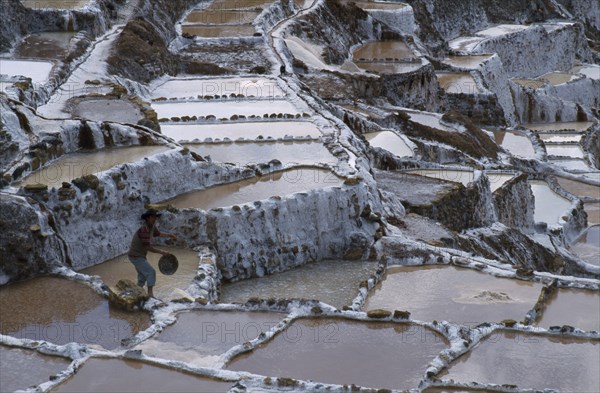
<point>201,300</point>
<point>379,314</point>
<point>398,314</point>
<point>316,310</point>
<point>35,228</point>
<point>66,185</point>
<point>509,322</point>
<point>36,187</point>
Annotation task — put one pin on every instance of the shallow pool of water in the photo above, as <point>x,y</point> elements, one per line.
<point>531,361</point>
<point>221,31</point>
<point>593,211</point>
<point>429,119</point>
<point>228,17</point>
<point>56,4</point>
<point>389,141</point>
<point>389,49</point>
<point>257,188</point>
<point>74,165</point>
<point>497,180</point>
<point>578,188</point>
<point>288,153</point>
<point>233,131</point>
<point>558,78</point>
<point>574,307</point>
<point>332,282</point>
<point>200,337</point>
<point>515,144</point>
<point>587,246</point>
<point>116,375</point>
<point>62,311</point>
<point>549,206</point>
<point>329,350</point>
<point>48,45</point>
<point>380,5</point>
<point>570,125</point>
<point>222,109</point>
<point>572,151</point>
<point>23,368</point>
<point>167,287</point>
<point>589,70</point>
<point>389,67</point>
<point>192,88</point>
<point>561,138</point>
<point>38,71</point>
<point>572,165</point>
<point>457,295</point>
<point>120,111</point>
<point>457,82</point>
<point>529,83</point>
<point>466,61</point>
<point>464,177</point>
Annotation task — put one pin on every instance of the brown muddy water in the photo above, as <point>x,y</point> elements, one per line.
<point>453,294</point>
<point>329,350</point>
<point>573,307</point>
<point>531,361</point>
<point>529,83</point>
<point>115,375</point>
<point>392,49</point>
<point>257,188</point>
<point>515,144</point>
<point>200,337</point>
<point>334,282</point>
<point>48,45</point>
<point>62,311</point>
<point>167,287</point>
<point>120,111</point>
<point>558,78</point>
<point>389,67</point>
<point>466,61</point>
<point>23,368</point>
<point>74,165</point>
<point>389,141</point>
<point>56,4</point>
<point>456,390</point>
<point>457,82</point>
<point>237,4</point>
<point>579,188</point>
<point>218,31</point>
<point>228,17</point>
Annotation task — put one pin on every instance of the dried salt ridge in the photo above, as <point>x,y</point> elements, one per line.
<point>378,217</point>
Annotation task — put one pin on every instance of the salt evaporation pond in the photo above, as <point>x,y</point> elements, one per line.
<point>457,390</point>
<point>62,311</point>
<point>573,307</point>
<point>333,282</point>
<point>47,45</point>
<point>200,337</point>
<point>389,141</point>
<point>116,375</point>
<point>573,151</point>
<point>288,153</point>
<point>218,31</point>
<point>464,177</point>
<point>549,206</point>
<point>24,368</point>
<point>466,61</point>
<point>38,71</point>
<point>247,130</point>
<point>376,5</point>
<point>497,180</point>
<point>453,294</point>
<point>587,246</point>
<point>167,287</point>
<point>120,111</point>
<point>388,49</point>
<point>55,4</point>
<point>531,361</point>
<point>389,67</point>
<point>558,78</point>
<point>74,165</point>
<point>465,44</point>
<point>237,4</point>
<point>529,83</point>
<point>192,88</point>
<point>333,350</point>
<point>593,211</point>
<point>501,30</point>
<point>430,120</point>
<point>571,125</point>
<point>222,109</point>
<point>229,17</point>
<point>591,71</point>
<point>257,188</point>
<point>573,165</point>
<point>560,138</point>
<point>515,144</point>
<point>578,188</point>
<point>457,82</point>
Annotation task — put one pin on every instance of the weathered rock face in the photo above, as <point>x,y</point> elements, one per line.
<point>29,245</point>
<point>589,14</point>
<point>591,144</point>
<point>514,204</point>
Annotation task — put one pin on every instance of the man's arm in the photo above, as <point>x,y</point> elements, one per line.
<point>156,250</point>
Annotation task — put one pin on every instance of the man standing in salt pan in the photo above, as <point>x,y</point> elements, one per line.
<point>140,245</point>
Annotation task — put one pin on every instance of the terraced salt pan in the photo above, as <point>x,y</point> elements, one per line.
<point>429,119</point>
<point>452,294</point>
<point>376,5</point>
<point>501,30</point>
<point>456,390</point>
<point>578,188</point>
<point>573,151</point>
<point>560,138</point>
<point>389,141</point>
<point>457,82</point>
<point>192,88</point>
<point>237,4</point>
<point>558,78</point>
<point>573,165</point>
<point>571,125</point>
<point>55,4</point>
<point>288,153</point>
<point>62,311</point>
<point>47,45</point>
<point>233,131</point>
<point>466,61</point>
<point>222,109</point>
<point>464,177</point>
<point>389,67</point>
<point>219,31</point>
<point>549,206</point>
<point>388,49</point>
<point>333,282</point>
<point>516,144</point>
<point>589,70</point>
<point>38,71</point>
<point>167,287</point>
<point>530,361</point>
<point>587,247</point>
<point>593,211</point>
<point>220,17</point>
<point>22,368</point>
<point>497,180</point>
<point>120,111</point>
<point>74,165</point>
<point>465,44</point>
<point>116,375</point>
<point>200,337</point>
<point>276,184</point>
<point>529,83</point>
<point>331,350</point>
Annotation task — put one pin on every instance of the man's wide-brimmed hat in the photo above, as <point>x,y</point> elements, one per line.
<point>151,212</point>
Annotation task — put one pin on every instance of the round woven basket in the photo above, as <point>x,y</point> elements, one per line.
<point>168,264</point>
